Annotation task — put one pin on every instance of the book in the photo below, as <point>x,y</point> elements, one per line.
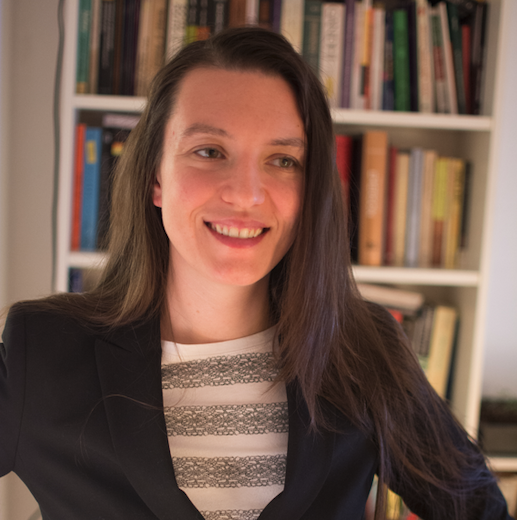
<point>95,32</point>
<point>348,56</point>
<point>466,37</point>
<point>413,55</point>
<point>107,47</point>
<point>440,85</point>
<point>372,197</point>
<point>441,346</point>
<point>176,26</point>
<point>414,208</point>
<point>356,97</point>
<point>311,33</point>
<point>424,52</point>
<point>143,45</point>
<point>90,191</point>
<point>388,85</point>
<point>291,22</point>
<point>400,205</point>
<point>439,209</point>
<point>344,163</point>
<point>366,54</point>
<point>129,47</point>
<point>401,60</point>
<point>478,55</point>
<point>331,50</point>
<point>218,13</point>
<point>392,297</point>
<point>83,47</point>
<point>450,81</point>
<point>389,243</point>
<point>457,56</point>
<point>377,58</point>
<point>452,236</point>
<point>426,221</point>
<point>75,242</point>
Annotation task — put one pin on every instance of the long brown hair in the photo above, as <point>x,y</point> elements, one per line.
<point>338,348</point>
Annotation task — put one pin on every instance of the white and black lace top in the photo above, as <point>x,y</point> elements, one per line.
<point>227,424</point>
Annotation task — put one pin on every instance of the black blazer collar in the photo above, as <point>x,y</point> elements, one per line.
<point>129,361</point>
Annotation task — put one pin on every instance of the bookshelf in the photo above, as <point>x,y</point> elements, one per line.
<point>469,137</point>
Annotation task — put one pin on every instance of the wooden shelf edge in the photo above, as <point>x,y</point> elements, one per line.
<point>109,103</point>
<point>86,260</point>
<point>419,276</point>
<point>411,120</point>
<point>503,464</point>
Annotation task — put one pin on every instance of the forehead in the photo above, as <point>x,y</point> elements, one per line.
<point>216,95</point>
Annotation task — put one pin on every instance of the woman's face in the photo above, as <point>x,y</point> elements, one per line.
<point>231,176</point>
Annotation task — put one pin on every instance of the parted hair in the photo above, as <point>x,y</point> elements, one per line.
<point>342,351</point>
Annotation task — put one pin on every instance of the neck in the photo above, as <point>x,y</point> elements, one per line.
<point>207,313</point>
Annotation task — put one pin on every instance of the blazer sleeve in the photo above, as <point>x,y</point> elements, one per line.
<point>12,388</point>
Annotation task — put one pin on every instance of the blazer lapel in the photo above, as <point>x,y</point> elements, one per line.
<point>309,456</point>
<point>129,366</point>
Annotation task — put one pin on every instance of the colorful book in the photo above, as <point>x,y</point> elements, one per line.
<point>426,221</point>
<point>90,192</point>
<point>414,208</point>
<point>75,242</point>
<point>450,80</point>
<point>400,205</point>
<point>83,47</point>
<point>401,60</point>
<point>377,58</point>
<point>440,84</point>
<point>311,33</point>
<point>348,56</point>
<point>372,198</point>
<point>413,56</point>
<point>439,209</point>
<point>425,80</point>
<point>331,50</point>
<point>388,86</point>
<point>389,243</point>
<point>344,163</point>
<point>356,97</point>
<point>457,56</point>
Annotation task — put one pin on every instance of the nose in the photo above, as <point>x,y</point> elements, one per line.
<point>244,186</point>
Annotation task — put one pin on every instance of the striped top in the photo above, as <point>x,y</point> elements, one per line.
<point>227,424</point>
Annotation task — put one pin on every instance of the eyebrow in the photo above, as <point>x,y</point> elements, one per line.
<point>202,128</point>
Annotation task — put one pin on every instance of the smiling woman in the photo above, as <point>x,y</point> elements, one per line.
<point>225,367</point>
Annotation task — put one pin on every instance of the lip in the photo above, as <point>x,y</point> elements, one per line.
<point>234,242</point>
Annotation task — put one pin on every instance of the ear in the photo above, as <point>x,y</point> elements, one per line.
<point>157,192</point>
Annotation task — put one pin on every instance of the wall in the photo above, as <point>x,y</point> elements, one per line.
<point>28,52</point>
<point>500,367</point>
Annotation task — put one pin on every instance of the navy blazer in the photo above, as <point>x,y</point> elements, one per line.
<point>81,423</point>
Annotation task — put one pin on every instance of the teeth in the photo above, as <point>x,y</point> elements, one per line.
<point>236,232</point>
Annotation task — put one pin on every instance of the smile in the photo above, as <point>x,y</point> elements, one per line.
<point>234,232</point>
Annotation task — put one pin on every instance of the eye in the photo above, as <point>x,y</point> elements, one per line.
<point>209,153</point>
<point>285,162</point>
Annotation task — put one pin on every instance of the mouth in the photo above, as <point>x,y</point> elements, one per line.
<point>235,232</point>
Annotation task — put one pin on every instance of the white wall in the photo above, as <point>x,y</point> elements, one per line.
<point>500,369</point>
<point>28,36</point>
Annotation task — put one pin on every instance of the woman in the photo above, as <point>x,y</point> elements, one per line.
<point>228,249</point>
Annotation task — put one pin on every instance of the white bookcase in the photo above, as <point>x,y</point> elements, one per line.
<point>469,137</point>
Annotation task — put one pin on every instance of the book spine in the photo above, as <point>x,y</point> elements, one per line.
<point>311,33</point>
<point>94,47</point>
<point>356,97</point>
<point>425,82</point>
<point>478,54</point>
<point>129,47</point>
<point>400,217</point>
<point>457,56</point>
<point>465,49</point>
<point>120,6</point>
<point>441,346</point>
<point>401,60</point>
<point>80,130</point>
<point>107,43</point>
<point>388,86</point>
<point>91,179</point>
<point>440,85</point>
<point>389,249</point>
<point>455,215</point>
<point>372,198</point>
<point>203,29</point>
<point>83,47</point>
<point>439,208</point>
<point>413,56</point>
<point>331,50</point>
<point>377,60</point>
<point>193,19</point>
<point>344,163</point>
<point>265,12</point>
<point>252,12</point>
<point>348,56</point>
<point>449,67</point>
<point>157,39</point>
<point>426,236</point>
<point>414,207</point>
<point>142,52</point>
<point>291,22</point>
<point>176,25</point>
<point>366,57</point>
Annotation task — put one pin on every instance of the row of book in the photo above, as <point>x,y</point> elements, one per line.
<point>408,207</point>
<point>97,149</point>
<point>432,330</point>
<point>408,55</point>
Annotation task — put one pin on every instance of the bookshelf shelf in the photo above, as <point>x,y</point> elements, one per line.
<point>86,260</point>
<point>406,276</point>
<point>412,120</point>
<point>503,464</point>
<point>111,103</point>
